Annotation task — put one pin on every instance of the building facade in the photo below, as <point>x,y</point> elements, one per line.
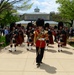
<point>35,15</point>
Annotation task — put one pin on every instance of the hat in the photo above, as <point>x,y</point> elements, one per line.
<point>29,24</point>
<point>19,25</point>
<point>60,24</point>
<point>40,22</point>
<point>47,25</point>
<point>12,25</point>
<point>55,27</point>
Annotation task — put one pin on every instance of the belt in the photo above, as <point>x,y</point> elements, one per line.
<point>42,39</point>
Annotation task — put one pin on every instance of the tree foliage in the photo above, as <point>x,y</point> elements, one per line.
<point>8,7</point>
<point>66,9</point>
<point>56,17</point>
<point>4,5</point>
<point>11,4</point>
<point>24,5</point>
<point>9,18</point>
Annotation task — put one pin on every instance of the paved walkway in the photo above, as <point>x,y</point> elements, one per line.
<point>22,62</point>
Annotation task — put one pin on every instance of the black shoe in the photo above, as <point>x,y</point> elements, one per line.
<point>58,50</point>
<point>41,62</point>
<point>61,50</point>
<point>10,51</point>
<point>38,65</point>
<point>15,50</point>
<point>27,49</point>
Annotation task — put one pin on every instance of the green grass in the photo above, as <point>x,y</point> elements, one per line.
<point>71,43</point>
<point>2,39</point>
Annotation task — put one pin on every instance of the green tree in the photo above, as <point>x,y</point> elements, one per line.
<point>13,4</point>
<point>24,5</point>
<point>9,18</point>
<point>67,9</point>
<point>8,7</point>
<point>55,16</point>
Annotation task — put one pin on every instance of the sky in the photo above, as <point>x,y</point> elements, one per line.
<point>46,6</point>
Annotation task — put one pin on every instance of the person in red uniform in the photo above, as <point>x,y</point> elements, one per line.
<point>39,41</point>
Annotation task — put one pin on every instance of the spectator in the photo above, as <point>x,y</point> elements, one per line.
<point>6,31</point>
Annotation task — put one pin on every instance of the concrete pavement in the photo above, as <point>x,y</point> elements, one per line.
<point>22,62</point>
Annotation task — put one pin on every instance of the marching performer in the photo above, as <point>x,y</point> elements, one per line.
<point>55,33</point>
<point>39,41</point>
<point>51,41</point>
<point>30,36</point>
<point>20,38</point>
<point>60,42</point>
<point>61,36</point>
<point>47,31</point>
<point>13,37</point>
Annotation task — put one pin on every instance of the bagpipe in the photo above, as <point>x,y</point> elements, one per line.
<point>42,34</point>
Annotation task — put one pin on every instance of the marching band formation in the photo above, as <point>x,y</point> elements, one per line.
<point>39,35</point>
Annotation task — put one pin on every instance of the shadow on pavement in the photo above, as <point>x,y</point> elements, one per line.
<point>66,47</point>
<point>22,46</point>
<point>51,50</point>
<point>48,69</point>
<point>51,46</point>
<point>17,52</point>
<point>67,52</point>
<point>33,50</point>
